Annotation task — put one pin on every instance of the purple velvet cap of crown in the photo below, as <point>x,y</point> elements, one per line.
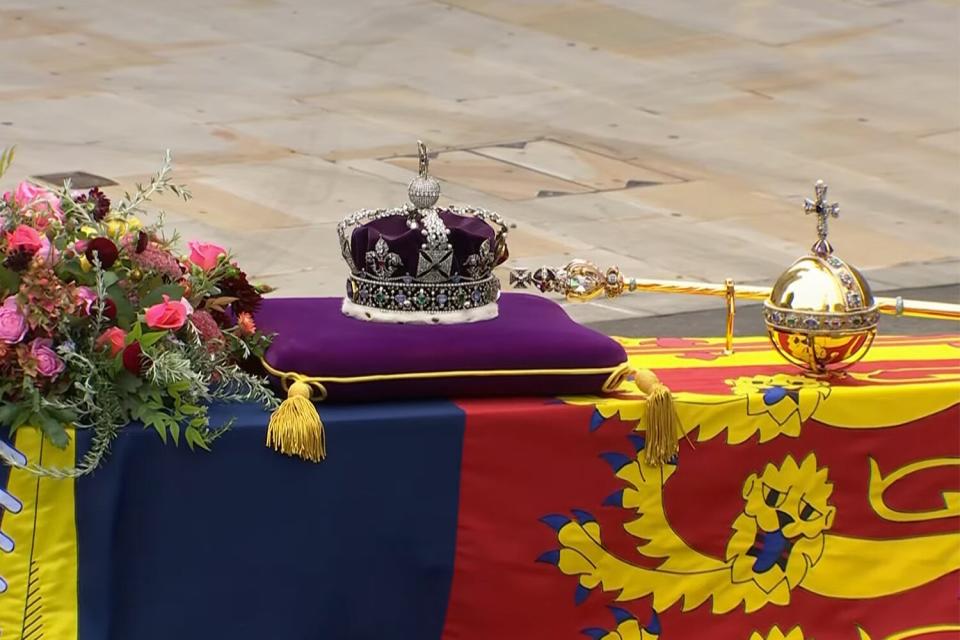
<point>314,338</point>
<point>466,235</point>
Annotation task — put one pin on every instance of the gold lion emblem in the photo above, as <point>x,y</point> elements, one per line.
<point>781,541</point>
<point>780,534</point>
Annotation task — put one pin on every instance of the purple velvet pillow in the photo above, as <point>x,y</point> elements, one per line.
<point>531,349</point>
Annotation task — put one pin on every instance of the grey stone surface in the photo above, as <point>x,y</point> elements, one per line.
<point>684,139</point>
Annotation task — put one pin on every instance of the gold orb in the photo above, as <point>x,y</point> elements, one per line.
<point>821,315</point>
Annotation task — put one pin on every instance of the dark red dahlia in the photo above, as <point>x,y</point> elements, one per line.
<point>109,309</point>
<point>105,249</point>
<point>142,240</point>
<point>101,203</point>
<point>133,358</point>
<point>237,286</point>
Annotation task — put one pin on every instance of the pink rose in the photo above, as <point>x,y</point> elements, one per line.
<point>205,255</point>
<point>169,314</point>
<point>13,325</point>
<point>115,338</point>
<point>24,238</point>
<point>85,298</point>
<point>40,200</point>
<point>49,364</point>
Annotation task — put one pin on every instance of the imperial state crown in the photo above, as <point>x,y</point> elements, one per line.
<point>421,263</point>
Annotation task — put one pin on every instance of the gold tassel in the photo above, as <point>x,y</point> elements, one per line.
<point>662,422</point>
<point>295,427</point>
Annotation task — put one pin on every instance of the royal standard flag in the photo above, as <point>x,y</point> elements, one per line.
<point>796,509</point>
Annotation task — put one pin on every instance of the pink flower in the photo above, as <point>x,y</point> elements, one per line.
<point>205,255</point>
<point>24,238</point>
<point>208,329</point>
<point>85,298</point>
<point>48,362</point>
<point>159,260</point>
<point>39,200</point>
<point>115,338</point>
<point>48,253</point>
<point>169,314</point>
<point>13,325</point>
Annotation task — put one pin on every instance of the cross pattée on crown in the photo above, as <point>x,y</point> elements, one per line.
<point>824,211</point>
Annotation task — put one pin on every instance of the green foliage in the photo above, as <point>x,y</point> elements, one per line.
<point>6,159</point>
<point>179,376</point>
<point>174,291</point>
<point>126,314</point>
<point>69,269</point>
<point>159,183</point>
<point>9,280</point>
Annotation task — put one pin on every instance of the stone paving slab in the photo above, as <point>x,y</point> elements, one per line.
<point>674,141</point>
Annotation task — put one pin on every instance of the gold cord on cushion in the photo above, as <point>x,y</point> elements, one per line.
<point>287,377</point>
<point>663,426</point>
<point>296,429</point>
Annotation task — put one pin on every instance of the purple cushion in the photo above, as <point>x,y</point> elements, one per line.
<point>315,339</point>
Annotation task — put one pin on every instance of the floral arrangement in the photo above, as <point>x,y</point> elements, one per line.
<point>103,323</point>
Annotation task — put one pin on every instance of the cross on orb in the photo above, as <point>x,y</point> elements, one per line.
<point>824,211</point>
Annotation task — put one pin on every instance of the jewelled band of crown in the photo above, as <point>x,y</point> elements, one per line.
<point>402,295</point>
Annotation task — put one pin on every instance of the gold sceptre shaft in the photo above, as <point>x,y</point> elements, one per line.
<point>582,281</point>
<point>731,296</point>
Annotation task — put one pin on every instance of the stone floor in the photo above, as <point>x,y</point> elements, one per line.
<point>676,139</point>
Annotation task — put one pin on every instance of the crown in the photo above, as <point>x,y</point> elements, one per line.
<point>421,263</point>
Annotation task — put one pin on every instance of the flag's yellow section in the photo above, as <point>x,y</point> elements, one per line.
<point>652,353</point>
<point>779,400</point>
<point>861,568</point>
<point>41,570</point>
